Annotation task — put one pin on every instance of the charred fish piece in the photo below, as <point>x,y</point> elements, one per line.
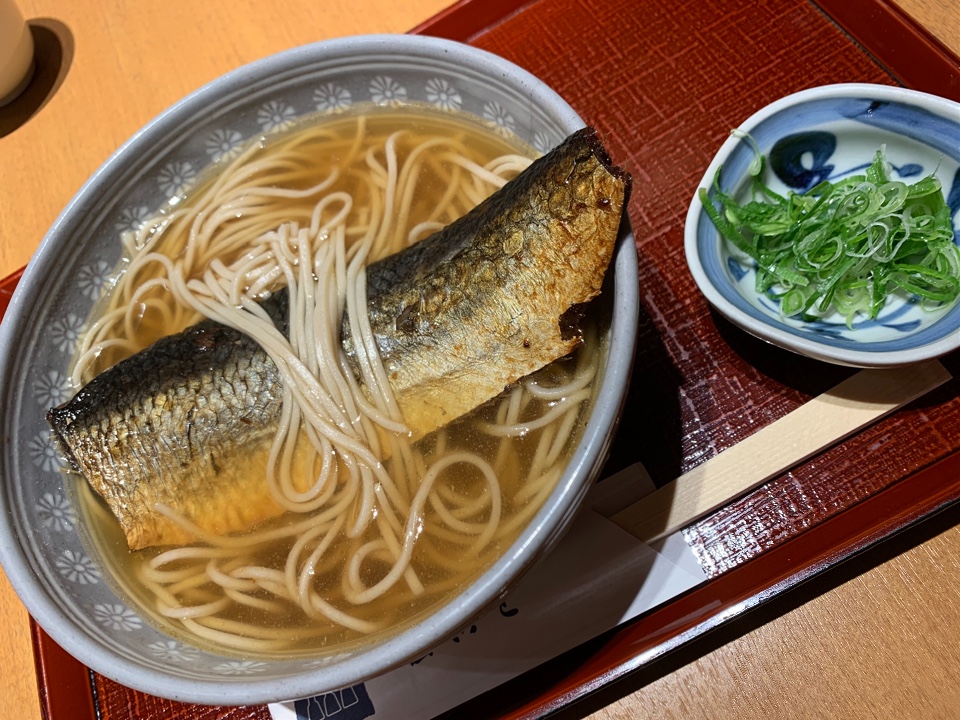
<point>480,304</point>
<point>186,423</point>
<point>458,317</point>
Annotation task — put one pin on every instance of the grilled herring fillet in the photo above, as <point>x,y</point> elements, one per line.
<point>188,423</point>
<point>476,306</point>
<point>457,318</point>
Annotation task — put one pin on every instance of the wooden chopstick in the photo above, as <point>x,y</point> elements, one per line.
<point>858,401</point>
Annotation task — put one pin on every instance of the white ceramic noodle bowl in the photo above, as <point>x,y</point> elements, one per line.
<point>43,546</point>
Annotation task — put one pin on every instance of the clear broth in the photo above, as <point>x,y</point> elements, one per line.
<point>439,559</point>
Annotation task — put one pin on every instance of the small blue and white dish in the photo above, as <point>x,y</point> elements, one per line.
<point>828,133</point>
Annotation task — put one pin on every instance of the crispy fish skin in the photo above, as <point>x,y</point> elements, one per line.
<point>476,306</point>
<point>187,423</point>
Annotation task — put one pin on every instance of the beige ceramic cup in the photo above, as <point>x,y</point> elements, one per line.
<point>16,52</point>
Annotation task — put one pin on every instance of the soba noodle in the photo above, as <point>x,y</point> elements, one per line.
<point>378,529</point>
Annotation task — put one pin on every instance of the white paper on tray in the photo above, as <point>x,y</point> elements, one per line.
<point>597,577</point>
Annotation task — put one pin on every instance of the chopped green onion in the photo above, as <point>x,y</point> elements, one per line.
<point>843,246</point>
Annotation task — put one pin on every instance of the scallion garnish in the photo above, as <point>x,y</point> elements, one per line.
<point>844,246</point>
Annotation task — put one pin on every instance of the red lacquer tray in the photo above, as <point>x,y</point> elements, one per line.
<point>664,83</point>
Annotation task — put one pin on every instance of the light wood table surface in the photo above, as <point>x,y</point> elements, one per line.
<point>882,645</point>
